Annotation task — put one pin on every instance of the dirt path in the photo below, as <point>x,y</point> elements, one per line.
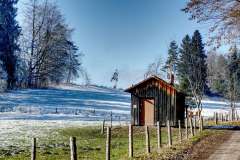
<point>229,150</point>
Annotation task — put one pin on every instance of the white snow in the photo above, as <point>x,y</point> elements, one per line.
<point>37,112</point>
<point>74,102</point>
<point>70,102</point>
<point>216,104</point>
<point>31,113</point>
<point>19,133</point>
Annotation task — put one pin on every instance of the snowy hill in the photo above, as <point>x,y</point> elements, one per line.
<point>38,112</point>
<point>72,102</point>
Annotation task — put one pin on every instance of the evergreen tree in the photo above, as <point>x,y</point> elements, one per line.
<point>9,33</point>
<point>192,67</point>
<point>115,78</point>
<point>182,65</point>
<point>72,63</point>
<point>171,62</point>
<point>233,78</point>
<point>199,58</point>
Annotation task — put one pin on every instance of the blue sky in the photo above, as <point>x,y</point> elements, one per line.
<point>125,34</point>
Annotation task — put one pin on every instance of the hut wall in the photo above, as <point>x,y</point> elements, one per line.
<point>134,110</point>
<point>180,101</point>
<point>164,100</point>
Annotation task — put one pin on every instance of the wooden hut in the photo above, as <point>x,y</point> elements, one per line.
<point>153,99</point>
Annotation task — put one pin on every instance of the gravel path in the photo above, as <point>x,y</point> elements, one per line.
<point>229,150</point>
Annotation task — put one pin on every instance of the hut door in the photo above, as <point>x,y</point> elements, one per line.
<point>147,112</point>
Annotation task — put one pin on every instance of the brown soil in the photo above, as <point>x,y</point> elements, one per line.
<point>205,147</point>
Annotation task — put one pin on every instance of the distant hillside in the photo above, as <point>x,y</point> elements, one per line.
<point>77,102</point>
<point>65,102</point>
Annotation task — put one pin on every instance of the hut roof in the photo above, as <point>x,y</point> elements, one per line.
<point>147,80</point>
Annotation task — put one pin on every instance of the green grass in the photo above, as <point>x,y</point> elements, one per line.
<point>179,149</point>
<point>91,144</point>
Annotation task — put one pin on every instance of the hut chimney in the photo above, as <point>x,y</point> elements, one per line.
<point>172,79</point>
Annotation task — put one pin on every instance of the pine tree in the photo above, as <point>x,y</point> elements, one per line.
<point>72,63</point>
<point>171,62</point>
<point>233,79</point>
<point>182,65</point>
<point>192,67</point>
<point>200,58</point>
<point>115,78</point>
<point>9,33</point>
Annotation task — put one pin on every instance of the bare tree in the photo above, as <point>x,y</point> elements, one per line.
<point>155,68</point>
<point>51,54</point>
<point>87,78</point>
<point>222,15</point>
<point>217,72</point>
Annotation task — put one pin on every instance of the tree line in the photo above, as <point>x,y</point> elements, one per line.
<point>199,72</point>
<point>39,52</point>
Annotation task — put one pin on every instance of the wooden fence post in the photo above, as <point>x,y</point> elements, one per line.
<point>199,123</point>
<point>159,135</point>
<point>111,118</point>
<point>130,136</point>
<point>235,116</point>
<point>108,144</point>
<point>147,140</point>
<point>186,128</point>
<point>216,118</point>
<point>202,123</point>
<point>169,134</point>
<point>103,126</point>
<point>191,127</point>
<point>179,131</point>
<point>73,148</point>
<point>194,125</point>
<point>33,151</point>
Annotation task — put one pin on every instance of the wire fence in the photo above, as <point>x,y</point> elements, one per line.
<point>91,143</point>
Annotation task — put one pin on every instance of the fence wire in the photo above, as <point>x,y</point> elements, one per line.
<point>91,144</point>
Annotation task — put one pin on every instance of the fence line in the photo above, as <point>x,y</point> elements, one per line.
<point>73,146</point>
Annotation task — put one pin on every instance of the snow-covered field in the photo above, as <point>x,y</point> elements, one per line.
<point>18,133</point>
<point>65,103</point>
<point>30,113</point>
<point>211,105</point>
<point>81,103</point>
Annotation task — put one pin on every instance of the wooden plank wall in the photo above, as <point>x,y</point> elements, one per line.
<point>165,101</point>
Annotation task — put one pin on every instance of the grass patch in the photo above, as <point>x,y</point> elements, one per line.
<point>183,150</point>
<point>91,144</point>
